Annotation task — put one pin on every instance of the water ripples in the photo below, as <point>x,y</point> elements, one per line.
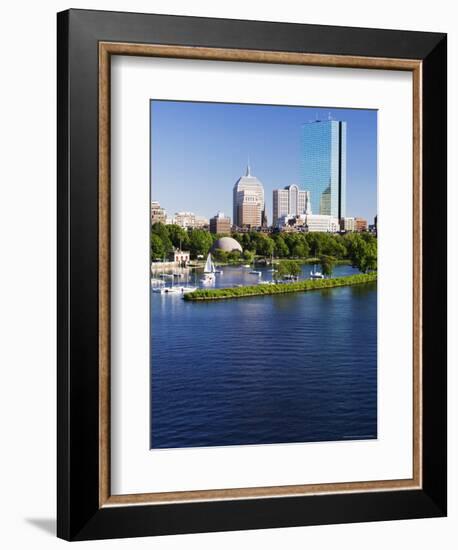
<point>271,369</point>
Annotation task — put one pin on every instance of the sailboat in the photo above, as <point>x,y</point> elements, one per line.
<point>209,271</point>
<point>184,289</point>
<point>316,274</point>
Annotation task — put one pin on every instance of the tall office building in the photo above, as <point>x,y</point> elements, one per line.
<point>248,201</point>
<point>324,166</point>
<point>290,201</point>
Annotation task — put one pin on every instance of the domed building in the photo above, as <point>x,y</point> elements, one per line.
<point>226,244</point>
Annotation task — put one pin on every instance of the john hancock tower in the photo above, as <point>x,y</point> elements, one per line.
<point>324,165</point>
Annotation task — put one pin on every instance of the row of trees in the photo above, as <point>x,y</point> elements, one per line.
<point>359,248</point>
<point>164,238</point>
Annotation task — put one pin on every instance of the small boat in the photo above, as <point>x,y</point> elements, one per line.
<point>247,265</point>
<point>219,271</point>
<point>316,274</point>
<point>167,290</point>
<point>166,275</point>
<point>209,271</point>
<point>157,282</point>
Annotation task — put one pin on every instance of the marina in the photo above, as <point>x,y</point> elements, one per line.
<point>191,279</point>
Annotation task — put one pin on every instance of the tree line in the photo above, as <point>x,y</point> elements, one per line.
<point>329,248</point>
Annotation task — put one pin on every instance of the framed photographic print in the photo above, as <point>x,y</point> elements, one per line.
<point>252,274</point>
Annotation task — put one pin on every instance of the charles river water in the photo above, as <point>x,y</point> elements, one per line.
<point>268,369</point>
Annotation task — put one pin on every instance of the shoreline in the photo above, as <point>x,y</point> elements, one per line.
<point>199,264</point>
<point>208,295</point>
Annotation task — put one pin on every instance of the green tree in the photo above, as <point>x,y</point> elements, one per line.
<point>294,268</point>
<point>234,256</point>
<point>244,239</point>
<point>280,271</point>
<point>264,245</point>
<point>300,248</point>
<point>316,241</point>
<point>248,256</point>
<point>178,236</point>
<point>368,260</point>
<point>328,264</point>
<point>287,267</point>
<point>362,251</point>
<point>157,247</point>
<point>161,231</point>
<point>281,250</point>
<point>200,242</point>
<point>331,245</point>
<point>297,245</point>
<point>221,255</point>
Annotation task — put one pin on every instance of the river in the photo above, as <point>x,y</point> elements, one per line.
<point>288,368</point>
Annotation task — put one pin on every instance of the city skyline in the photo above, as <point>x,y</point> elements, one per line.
<point>211,139</point>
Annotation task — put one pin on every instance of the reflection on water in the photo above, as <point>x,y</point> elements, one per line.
<point>235,275</point>
<point>270,369</point>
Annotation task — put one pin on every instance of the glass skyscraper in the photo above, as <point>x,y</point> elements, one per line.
<point>324,165</point>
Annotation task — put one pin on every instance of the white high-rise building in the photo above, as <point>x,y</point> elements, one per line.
<point>189,220</point>
<point>290,201</point>
<point>309,223</point>
<point>322,223</point>
<point>248,201</point>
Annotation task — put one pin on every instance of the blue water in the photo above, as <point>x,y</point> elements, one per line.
<point>270,369</point>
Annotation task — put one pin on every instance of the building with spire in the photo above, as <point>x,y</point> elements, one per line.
<point>248,202</point>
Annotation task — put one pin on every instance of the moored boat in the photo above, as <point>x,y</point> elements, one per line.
<point>316,274</point>
<point>209,271</point>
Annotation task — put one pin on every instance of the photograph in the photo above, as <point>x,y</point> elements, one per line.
<point>241,346</point>
<point>263,267</point>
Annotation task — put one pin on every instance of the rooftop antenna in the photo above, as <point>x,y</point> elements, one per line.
<point>248,170</point>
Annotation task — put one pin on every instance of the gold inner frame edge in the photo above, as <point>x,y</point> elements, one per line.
<point>106,50</point>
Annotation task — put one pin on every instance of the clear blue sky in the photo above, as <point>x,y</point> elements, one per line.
<point>199,150</point>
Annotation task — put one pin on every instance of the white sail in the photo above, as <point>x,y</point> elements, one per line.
<point>209,266</point>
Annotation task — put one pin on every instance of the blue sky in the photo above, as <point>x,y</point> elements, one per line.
<point>199,150</point>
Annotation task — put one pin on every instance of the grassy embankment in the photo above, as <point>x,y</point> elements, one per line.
<point>266,290</point>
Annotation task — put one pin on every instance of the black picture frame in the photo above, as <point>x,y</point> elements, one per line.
<point>80,516</point>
